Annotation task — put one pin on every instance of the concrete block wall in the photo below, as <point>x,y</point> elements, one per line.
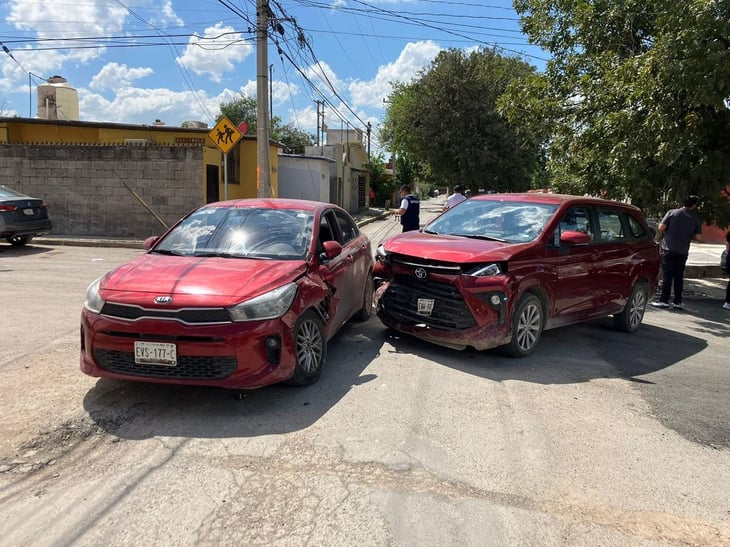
<point>90,190</point>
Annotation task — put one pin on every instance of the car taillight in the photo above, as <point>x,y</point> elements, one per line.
<point>8,207</point>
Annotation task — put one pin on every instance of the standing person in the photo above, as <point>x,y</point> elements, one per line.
<point>409,211</point>
<point>456,197</point>
<point>677,229</point>
<point>726,305</point>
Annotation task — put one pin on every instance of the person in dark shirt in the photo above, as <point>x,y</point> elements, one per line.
<point>409,211</point>
<point>677,229</point>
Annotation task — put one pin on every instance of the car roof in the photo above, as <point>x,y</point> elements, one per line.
<point>555,199</point>
<point>274,203</point>
<point>10,193</point>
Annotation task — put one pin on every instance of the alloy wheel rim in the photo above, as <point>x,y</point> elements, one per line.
<point>309,346</point>
<point>528,327</point>
<point>636,309</point>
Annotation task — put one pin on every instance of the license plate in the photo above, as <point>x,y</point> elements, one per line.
<point>425,306</point>
<point>155,353</point>
<point>29,212</point>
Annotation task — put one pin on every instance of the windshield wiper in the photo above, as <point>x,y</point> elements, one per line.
<point>430,232</point>
<point>167,252</point>
<point>224,254</point>
<point>477,236</point>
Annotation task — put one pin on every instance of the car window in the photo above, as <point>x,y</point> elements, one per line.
<point>578,219</point>
<point>610,226</point>
<point>327,229</point>
<point>635,227</point>
<point>348,228</point>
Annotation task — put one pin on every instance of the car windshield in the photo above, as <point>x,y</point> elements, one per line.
<point>507,221</point>
<point>238,232</point>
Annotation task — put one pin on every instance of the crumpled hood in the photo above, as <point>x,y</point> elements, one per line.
<point>451,248</point>
<point>197,280</point>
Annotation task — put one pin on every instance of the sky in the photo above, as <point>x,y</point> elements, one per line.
<point>137,61</point>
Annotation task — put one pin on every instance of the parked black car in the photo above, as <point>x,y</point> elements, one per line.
<point>22,217</point>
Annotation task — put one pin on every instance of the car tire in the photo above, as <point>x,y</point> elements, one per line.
<point>366,310</point>
<point>19,241</point>
<point>629,320</point>
<point>310,347</point>
<point>528,321</point>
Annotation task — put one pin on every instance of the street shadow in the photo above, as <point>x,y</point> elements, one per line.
<point>8,250</point>
<point>135,410</point>
<point>596,350</point>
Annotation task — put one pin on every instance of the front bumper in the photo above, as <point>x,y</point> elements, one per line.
<point>229,355</point>
<point>441,314</point>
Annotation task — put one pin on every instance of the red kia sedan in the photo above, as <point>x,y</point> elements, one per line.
<point>499,269</point>
<point>238,294</point>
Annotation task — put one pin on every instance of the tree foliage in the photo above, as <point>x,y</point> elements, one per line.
<point>634,98</point>
<point>244,108</point>
<point>446,123</point>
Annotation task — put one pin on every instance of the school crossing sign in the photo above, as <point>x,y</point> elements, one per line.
<point>225,135</point>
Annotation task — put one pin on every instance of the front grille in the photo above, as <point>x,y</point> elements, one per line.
<point>431,266</point>
<point>450,312</point>
<point>186,315</point>
<point>188,368</point>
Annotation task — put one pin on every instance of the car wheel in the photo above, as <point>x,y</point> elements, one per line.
<point>311,350</point>
<point>19,241</point>
<point>633,313</point>
<point>528,321</point>
<point>366,310</point>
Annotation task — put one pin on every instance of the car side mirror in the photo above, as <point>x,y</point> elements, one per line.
<point>573,237</point>
<point>331,249</point>
<point>150,242</point>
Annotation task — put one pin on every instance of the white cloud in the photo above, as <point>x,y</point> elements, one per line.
<point>58,19</point>
<point>144,106</point>
<point>114,76</point>
<point>413,58</point>
<point>322,75</point>
<point>168,16</point>
<point>216,52</point>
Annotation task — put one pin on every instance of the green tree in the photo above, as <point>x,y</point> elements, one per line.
<point>294,138</point>
<point>244,108</point>
<point>635,99</point>
<point>382,184</point>
<point>446,122</point>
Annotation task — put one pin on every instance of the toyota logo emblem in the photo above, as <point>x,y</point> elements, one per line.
<point>163,299</point>
<point>420,273</point>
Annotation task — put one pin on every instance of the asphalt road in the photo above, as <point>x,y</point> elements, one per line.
<point>599,438</point>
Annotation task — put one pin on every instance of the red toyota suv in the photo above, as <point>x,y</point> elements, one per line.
<point>498,269</point>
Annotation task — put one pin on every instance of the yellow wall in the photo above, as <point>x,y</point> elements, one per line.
<point>20,131</point>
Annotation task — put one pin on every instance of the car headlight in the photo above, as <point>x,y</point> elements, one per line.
<point>381,254</point>
<point>94,302</point>
<point>267,306</point>
<point>485,270</point>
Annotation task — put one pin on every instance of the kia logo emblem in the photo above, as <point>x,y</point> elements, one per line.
<point>163,299</point>
<point>420,273</point>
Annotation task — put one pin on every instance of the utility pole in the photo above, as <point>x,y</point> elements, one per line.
<point>271,96</point>
<point>320,123</point>
<point>263,169</point>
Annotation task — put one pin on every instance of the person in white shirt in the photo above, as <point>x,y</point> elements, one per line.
<point>455,198</point>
